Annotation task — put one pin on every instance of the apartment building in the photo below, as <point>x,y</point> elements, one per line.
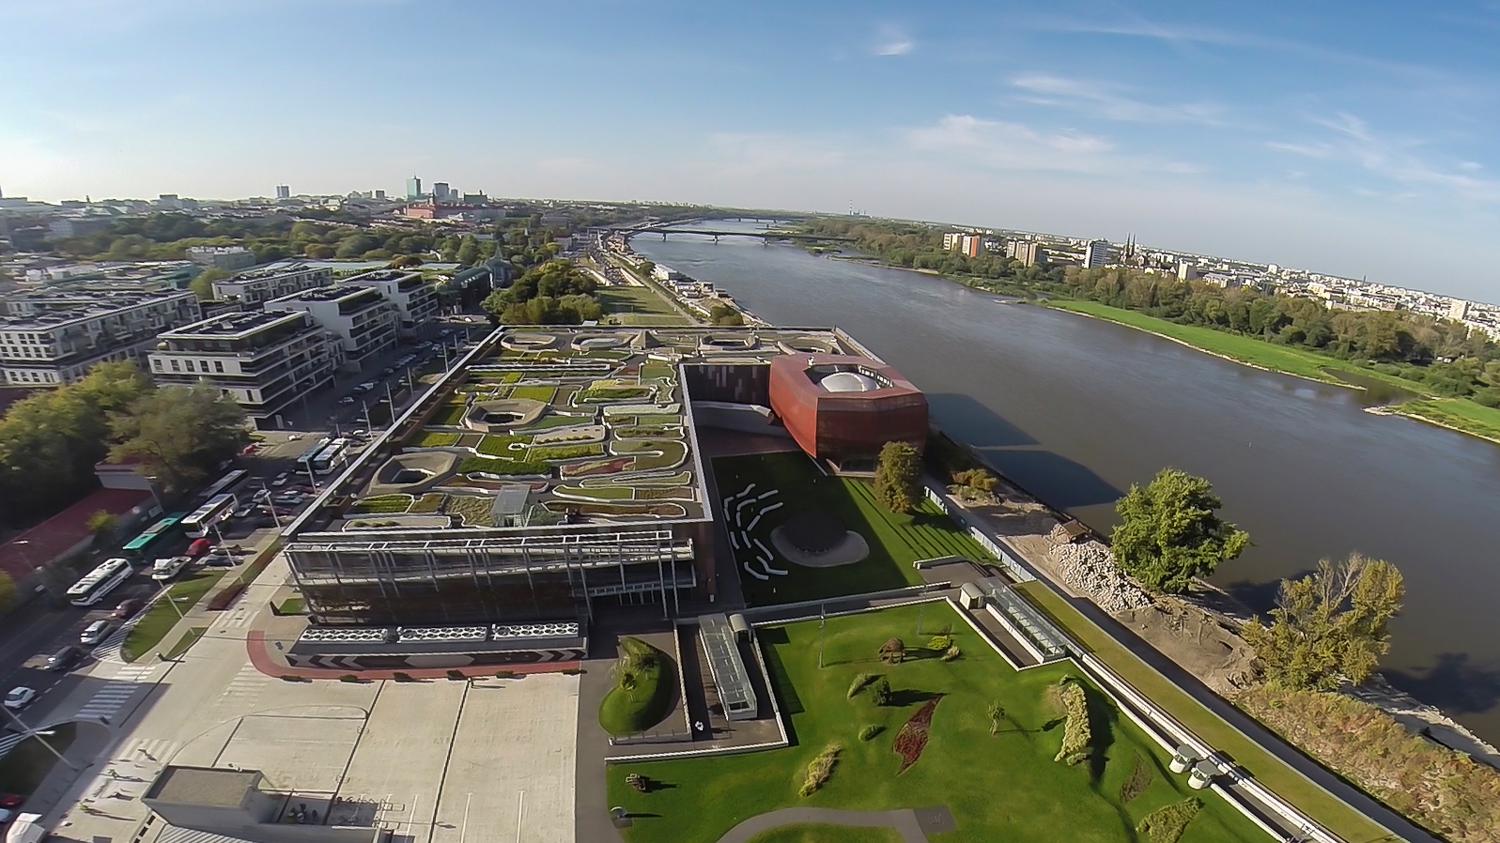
<point>1096,254</point>
<point>271,282</point>
<point>221,257</point>
<point>264,360</point>
<point>416,301</point>
<point>359,316</point>
<point>1028,252</point>
<point>53,337</point>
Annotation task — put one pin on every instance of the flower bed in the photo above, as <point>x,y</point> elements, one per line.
<point>912,738</point>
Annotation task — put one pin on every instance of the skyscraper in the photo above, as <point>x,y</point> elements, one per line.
<point>440,191</point>
<point>283,191</point>
<point>1096,254</point>
<point>413,188</point>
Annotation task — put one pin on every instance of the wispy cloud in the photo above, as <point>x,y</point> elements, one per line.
<point>1351,140</point>
<point>892,40</point>
<point>1008,145</point>
<point>1111,101</point>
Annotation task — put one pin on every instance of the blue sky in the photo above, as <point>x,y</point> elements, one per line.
<point>1353,138</point>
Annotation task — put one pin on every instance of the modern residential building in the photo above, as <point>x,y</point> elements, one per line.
<point>283,191</point>
<point>413,188</point>
<point>416,301</point>
<point>440,192</point>
<point>51,337</point>
<point>1096,254</point>
<point>970,243</point>
<point>221,257</point>
<point>359,316</point>
<point>1186,270</point>
<point>1028,252</point>
<point>271,282</point>
<point>264,360</point>
<point>1458,310</point>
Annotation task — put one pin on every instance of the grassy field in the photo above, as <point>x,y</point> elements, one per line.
<point>1459,414</point>
<point>185,642</point>
<point>1286,782</point>
<point>895,540</point>
<point>637,306</point>
<point>999,787</point>
<point>652,689</point>
<point>161,617</point>
<point>810,833</point>
<point>22,770</point>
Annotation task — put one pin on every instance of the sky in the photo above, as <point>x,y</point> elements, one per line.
<point>1360,139</point>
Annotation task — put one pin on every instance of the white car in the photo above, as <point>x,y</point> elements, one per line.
<point>19,697</point>
<point>281,479</point>
<point>96,632</point>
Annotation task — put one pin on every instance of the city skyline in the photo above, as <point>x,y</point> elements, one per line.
<point>1299,140</point>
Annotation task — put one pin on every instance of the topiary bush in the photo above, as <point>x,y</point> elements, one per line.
<point>820,770</point>
<point>1077,737</point>
<point>859,683</point>
<point>951,653</point>
<point>1166,824</point>
<point>880,691</point>
<point>870,731</point>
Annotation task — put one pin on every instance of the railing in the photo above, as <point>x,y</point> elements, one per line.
<point>1012,567</point>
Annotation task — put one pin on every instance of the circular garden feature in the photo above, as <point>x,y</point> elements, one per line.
<point>812,532</point>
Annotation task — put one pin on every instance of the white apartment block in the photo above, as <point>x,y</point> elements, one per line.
<point>416,301</point>
<point>48,337</point>
<point>360,316</point>
<point>271,282</point>
<point>264,360</point>
<point>221,257</point>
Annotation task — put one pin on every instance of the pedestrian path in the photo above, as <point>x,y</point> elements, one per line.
<point>245,688</point>
<point>157,750</point>
<point>108,700</point>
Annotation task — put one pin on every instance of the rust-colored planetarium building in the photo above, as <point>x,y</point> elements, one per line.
<point>843,409</point>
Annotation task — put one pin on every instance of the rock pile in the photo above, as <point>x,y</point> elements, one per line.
<point>1089,569</point>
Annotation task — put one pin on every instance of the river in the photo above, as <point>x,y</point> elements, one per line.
<point>1076,409</point>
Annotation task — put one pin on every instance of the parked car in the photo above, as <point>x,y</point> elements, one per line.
<point>281,479</point>
<point>293,437</point>
<point>127,608</point>
<point>198,548</point>
<point>166,570</point>
<point>249,449</point>
<point>95,633</point>
<point>221,560</point>
<point>64,659</point>
<point>11,801</point>
<point>261,496</point>
<point>347,399</point>
<point>19,697</point>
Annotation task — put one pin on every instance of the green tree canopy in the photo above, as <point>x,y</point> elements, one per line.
<point>468,251</point>
<point>1330,625</point>
<point>202,284</point>
<point>897,474</point>
<point>1170,532</point>
<point>181,434</point>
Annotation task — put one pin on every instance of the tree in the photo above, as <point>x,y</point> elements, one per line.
<point>723,315</point>
<point>996,712</point>
<point>468,251</point>
<point>1169,531</point>
<point>102,524</point>
<point>319,251</point>
<point>181,434</point>
<point>406,261</point>
<point>7,592</point>
<point>1330,625</point>
<point>896,475</point>
<point>202,284</point>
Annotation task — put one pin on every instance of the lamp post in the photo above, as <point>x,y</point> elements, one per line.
<point>41,737</point>
<point>270,503</point>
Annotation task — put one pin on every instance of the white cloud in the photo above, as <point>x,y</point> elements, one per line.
<point>1111,101</point>
<point>892,40</point>
<point>1006,145</point>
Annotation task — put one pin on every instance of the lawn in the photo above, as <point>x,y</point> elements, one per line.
<point>188,639</point>
<point>436,439</point>
<point>811,833</point>
<point>1459,413</point>
<point>1286,782</point>
<point>644,690</point>
<point>637,306</point>
<point>1004,786</point>
<point>22,770</point>
<point>895,540</point>
<point>161,617</point>
<point>534,392</point>
<point>449,414</point>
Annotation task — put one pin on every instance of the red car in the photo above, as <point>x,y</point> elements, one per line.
<point>10,801</point>
<point>250,449</point>
<point>198,548</point>
<point>128,608</point>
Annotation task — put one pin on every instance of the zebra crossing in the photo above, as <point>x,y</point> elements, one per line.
<point>109,650</point>
<point>107,700</point>
<point>10,742</point>
<point>245,688</point>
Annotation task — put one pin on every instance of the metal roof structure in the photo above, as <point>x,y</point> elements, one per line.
<point>730,676</point>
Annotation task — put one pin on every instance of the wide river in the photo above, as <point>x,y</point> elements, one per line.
<point>1076,409</point>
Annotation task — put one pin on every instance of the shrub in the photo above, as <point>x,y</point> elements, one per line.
<point>349,677</point>
<point>507,674</point>
<point>869,732</point>
<point>820,770</point>
<point>996,713</point>
<point>951,653</point>
<point>402,677</point>
<point>881,691</point>
<point>1166,824</point>
<point>939,643</point>
<point>223,599</point>
<point>893,651</point>
<point>1076,734</point>
<point>1139,780</point>
<point>860,682</point>
<point>455,674</point>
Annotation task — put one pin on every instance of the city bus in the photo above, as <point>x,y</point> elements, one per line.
<point>138,547</point>
<point>306,461</point>
<point>200,524</point>
<point>332,457</point>
<point>99,582</point>
<point>224,484</point>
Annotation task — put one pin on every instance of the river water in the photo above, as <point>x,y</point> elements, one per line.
<point>1076,409</point>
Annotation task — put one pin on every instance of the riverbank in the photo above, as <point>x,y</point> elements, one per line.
<point>1457,414</point>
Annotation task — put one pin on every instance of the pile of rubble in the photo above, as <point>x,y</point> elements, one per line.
<point>1089,569</point>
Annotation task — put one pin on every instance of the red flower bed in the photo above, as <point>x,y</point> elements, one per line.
<point>912,738</point>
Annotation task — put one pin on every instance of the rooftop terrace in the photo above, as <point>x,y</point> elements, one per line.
<point>232,325</point>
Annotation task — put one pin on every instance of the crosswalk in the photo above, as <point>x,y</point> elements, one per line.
<point>245,688</point>
<point>109,651</point>
<point>10,742</point>
<point>107,700</point>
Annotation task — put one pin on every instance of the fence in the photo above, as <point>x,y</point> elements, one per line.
<point>1012,567</point>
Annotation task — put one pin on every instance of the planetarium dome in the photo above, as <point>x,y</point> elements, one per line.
<point>849,382</point>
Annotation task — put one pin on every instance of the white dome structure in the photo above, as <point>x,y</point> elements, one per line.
<point>849,382</point>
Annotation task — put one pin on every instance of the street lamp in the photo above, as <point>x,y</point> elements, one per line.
<point>41,737</point>
<point>270,504</point>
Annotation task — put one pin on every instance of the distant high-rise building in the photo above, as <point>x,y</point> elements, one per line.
<point>1025,251</point>
<point>283,191</point>
<point>1096,254</point>
<point>440,191</point>
<point>952,239</point>
<point>413,188</point>
<point>1458,310</point>
<point>380,194</point>
<point>1186,270</point>
<point>971,245</point>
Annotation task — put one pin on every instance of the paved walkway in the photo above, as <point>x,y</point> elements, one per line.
<point>904,822</point>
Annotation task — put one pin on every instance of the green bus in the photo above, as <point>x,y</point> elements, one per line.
<point>141,546</point>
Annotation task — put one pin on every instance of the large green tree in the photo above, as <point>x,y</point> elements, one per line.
<point>1330,625</point>
<point>1170,532</point>
<point>897,474</point>
<point>181,434</point>
<point>202,284</point>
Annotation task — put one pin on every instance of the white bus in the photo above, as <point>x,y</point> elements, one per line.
<point>99,582</point>
<point>335,456</point>
<point>305,462</point>
<point>224,484</point>
<point>201,522</point>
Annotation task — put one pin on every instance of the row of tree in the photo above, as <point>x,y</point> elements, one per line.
<point>921,247</point>
<point>552,293</point>
<point>50,442</point>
